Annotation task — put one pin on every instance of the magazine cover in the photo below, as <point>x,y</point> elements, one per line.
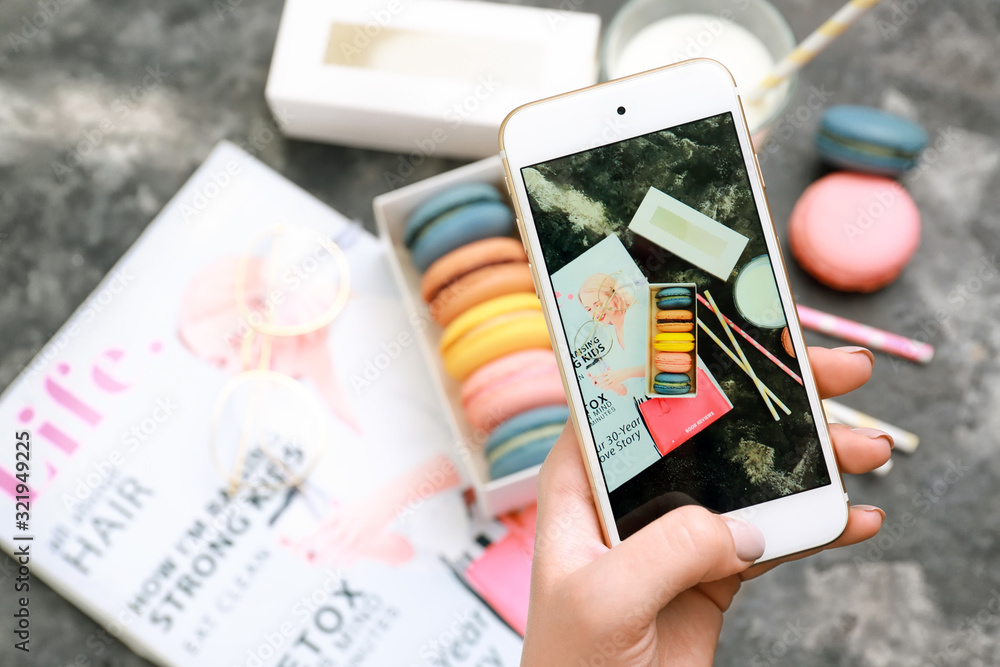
<point>603,307</point>
<point>231,460</point>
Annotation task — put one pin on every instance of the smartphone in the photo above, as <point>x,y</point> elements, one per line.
<point>642,210</point>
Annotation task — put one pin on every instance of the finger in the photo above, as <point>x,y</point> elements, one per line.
<point>679,550</point>
<point>721,591</point>
<point>568,532</point>
<point>863,522</point>
<point>860,450</point>
<point>693,628</point>
<point>840,370</point>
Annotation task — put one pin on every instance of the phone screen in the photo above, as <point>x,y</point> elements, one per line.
<point>668,301</point>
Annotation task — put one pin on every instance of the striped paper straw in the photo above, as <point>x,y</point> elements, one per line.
<point>758,346</point>
<point>739,364</point>
<point>736,347</point>
<point>813,44</point>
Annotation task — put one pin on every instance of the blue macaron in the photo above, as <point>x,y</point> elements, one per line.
<point>869,140</point>
<point>671,384</point>
<point>670,298</point>
<point>456,217</point>
<point>524,440</point>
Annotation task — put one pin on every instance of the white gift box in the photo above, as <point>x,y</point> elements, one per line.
<point>431,77</point>
<point>391,212</point>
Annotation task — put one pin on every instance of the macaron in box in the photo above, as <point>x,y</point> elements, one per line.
<point>477,284</point>
<point>525,440</point>
<point>474,273</point>
<point>463,308</point>
<point>672,350</point>
<point>463,214</point>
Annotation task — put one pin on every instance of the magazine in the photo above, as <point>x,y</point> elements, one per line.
<point>171,496</point>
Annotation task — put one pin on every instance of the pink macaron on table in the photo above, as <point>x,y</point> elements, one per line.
<point>854,232</point>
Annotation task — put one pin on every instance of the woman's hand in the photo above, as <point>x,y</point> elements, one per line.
<point>614,379</point>
<point>363,529</point>
<point>658,597</point>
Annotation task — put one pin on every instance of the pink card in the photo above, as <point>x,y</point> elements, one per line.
<point>502,575</point>
<point>673,421</point>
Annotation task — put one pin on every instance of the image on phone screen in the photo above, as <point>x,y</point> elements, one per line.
<point>667,298</point>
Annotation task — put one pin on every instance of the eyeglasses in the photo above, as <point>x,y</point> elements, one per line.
<point>268,430</point>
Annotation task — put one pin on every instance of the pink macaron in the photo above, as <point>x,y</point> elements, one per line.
<point>673,362</point>
<point>511,385</point>
<point>854,232</point>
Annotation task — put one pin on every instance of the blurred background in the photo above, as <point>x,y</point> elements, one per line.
<point>925,592</point>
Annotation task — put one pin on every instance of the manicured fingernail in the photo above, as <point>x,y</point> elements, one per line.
<point>871,508</point>
<point>875,433</point>
<point>748,538</point>
<point>857,348</point>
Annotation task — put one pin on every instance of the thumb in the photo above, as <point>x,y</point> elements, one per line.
<point>679,550</point>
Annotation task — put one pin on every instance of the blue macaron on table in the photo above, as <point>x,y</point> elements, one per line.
<point>869,140</point>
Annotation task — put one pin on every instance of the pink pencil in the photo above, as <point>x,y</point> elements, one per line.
<point>757,345</point>
<point>870,337</point>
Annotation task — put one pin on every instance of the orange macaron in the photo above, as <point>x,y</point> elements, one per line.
<point>473,274</point>
<point>674,321</point>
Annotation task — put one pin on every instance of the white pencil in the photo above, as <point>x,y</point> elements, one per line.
<point>840,413</point>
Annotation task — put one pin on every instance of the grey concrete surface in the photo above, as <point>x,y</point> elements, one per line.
<point>926,593</point>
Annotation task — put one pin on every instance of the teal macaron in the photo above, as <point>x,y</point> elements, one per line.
<point>671,384</point>
<point>456,217</point>
<point>869,140</point>
<point>524,440</point>
<point>669,298</point>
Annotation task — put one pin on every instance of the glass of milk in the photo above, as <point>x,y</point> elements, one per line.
<point>747,36</point>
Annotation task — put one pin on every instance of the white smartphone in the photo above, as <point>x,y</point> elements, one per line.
<point>642,210</point>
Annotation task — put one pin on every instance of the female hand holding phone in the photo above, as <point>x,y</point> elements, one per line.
<point>658,597</point>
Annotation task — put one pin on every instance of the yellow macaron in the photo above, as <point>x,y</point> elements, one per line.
<point>493,329</point>
<point>674,342</point>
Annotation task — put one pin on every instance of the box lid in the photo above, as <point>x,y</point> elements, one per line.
<point>387,73</point>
